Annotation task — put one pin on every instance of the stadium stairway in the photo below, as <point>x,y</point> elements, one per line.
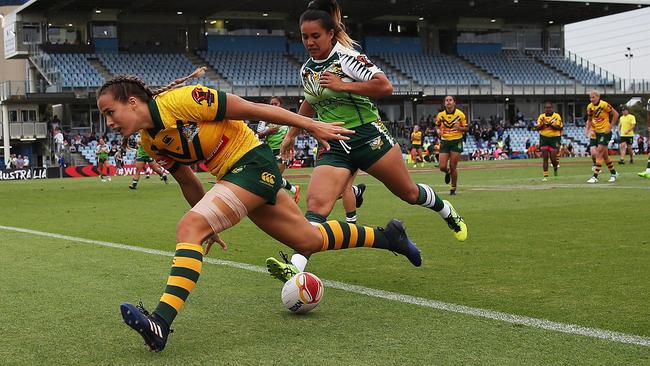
<point>541,61</point>
<point>101,69</point>
<point>481,72</point>
<point>219,81</point>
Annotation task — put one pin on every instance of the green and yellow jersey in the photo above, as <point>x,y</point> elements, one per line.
<point>627,123</point>
<point>448,123</point>
<point>416,138</point>
<point>189,126</point>
<point>599,115</point>
<point>545,122</point>
<point>332,106</point>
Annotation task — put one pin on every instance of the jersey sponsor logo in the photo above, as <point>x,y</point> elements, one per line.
<point>162,162</point>
<point>199,95</point>
<point>364,60</point>
<point>268,178</point>
<point>238,169</point>
<point>167,139</point>
<point>213,153</point>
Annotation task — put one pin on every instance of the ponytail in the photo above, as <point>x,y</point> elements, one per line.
<point>124,86</point>
<point>328,12</point>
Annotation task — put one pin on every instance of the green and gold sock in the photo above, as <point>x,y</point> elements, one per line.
<point>186,268</point>
<point>341,235</point>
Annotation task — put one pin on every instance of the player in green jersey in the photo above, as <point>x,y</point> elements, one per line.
<point>142,158</point>
<point>339,83</point>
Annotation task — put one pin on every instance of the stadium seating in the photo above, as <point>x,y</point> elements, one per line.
<point>557,61</point>
<point>154,69</point>
<point>432,69</point>
<point>76,71</point>
<point>253,68</point>
<point>514,68</point>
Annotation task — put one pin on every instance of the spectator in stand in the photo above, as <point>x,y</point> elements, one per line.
<point>58,141</point>
<point>55,123</point>
<point>640,145</point>
<point>25,162</point>
<point>20,163</point>
<point>61,162</point>
<point>528,144</point>
<point>569,150</point>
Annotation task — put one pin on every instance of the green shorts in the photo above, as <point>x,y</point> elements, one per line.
<point>447,146</point>
<point>593,142</point>
<point>627,139</point>
<point>368,144</point>
<point>552,142</point>
<point>101,160</point>
<point>258,173</point>
<point>603,138</point>
<point>416,146</point>
<point>278,158</point>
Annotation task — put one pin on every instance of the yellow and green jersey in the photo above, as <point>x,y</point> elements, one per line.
<point>332,106</point>
<point>599,115</point>
<point>449,122</point>
<point>546,122</point>
<point>416,138</point>
<point>627,123</point>
<point>189,126</point>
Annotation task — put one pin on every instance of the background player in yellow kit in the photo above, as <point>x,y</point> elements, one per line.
<point>626,125</point>
<point>416,146</point>
<point>549,124</point>
<point>452,124</point>
<point>600,118</point>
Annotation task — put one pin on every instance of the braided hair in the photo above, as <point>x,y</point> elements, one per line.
<point>124,86</point>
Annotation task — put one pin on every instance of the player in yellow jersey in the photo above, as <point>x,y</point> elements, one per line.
<point>416,146</point>
<point>600,118</point>
<point>183,125</point>
<point>626,125</point>
<point>451,124</point>
<point>549,124</point>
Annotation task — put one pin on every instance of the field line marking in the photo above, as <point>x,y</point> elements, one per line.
<point>387,295</point>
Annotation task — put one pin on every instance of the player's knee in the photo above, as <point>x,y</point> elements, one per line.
<point>319,204</point>
<point>191,229</point>
<point>444,168</point>
<point>410,195</point>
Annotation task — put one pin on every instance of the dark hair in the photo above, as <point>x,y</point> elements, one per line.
<point>548,102</point>
<point>124,86</point>
<point>328,12</point>
<point>450,96</point>
<point>279,99</point>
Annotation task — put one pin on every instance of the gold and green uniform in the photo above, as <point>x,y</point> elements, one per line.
<point>548,136</point>
<point>448,124</point>
<point>416,139</point>
<point>189,126</point>
<point>599,115</point>
<point>627,123</point>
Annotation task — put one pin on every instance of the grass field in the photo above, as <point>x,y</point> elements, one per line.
<point>561,250</point>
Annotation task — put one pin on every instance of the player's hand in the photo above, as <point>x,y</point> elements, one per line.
<point>324,132</point>
<point>214,238</point>
<point>331,81</point>
<point>286,148</point>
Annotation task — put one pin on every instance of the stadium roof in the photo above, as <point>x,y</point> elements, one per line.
<point>510,11</point>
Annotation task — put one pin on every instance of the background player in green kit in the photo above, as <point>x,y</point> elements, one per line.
<point>142,158</point>
<point>102,160</point>
<point>339,83</point>
<point>273,135</point>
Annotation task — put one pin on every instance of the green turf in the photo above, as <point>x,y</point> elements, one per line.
<point>559,250</point>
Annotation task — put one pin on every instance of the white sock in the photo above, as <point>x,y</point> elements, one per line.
<point>300,261</point>
<point>355,190</point>
<point>293,189</point>
<point>647,170</point>
<point>445,212</point>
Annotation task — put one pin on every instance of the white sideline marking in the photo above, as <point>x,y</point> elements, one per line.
<point>439,305</point>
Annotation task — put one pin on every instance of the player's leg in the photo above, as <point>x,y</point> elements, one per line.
<point>444,162</point>
<point>284,222</point>
<point>420,156</point>
<point>646,173</point>
<point>622,148</point>
<point>414,157</point>
<point>630,151</point>
<point>453,170</point>
<point>349,202</point>
<point>139,165</point>
<point>107,169</point>
<point>391,171</point>
<point>555,160</point>
<point>605,154</point>
<point>325,187</point>
<point>545,162</point>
